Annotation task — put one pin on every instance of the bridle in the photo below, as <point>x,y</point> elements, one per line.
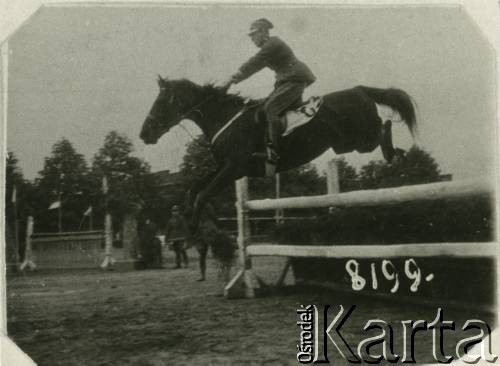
<point>179,115</point>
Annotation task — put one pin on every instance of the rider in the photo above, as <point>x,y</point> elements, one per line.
<point>292,77</point>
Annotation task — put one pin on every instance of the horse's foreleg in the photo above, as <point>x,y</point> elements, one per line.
<point>196,188</point>
<point>223,176</point>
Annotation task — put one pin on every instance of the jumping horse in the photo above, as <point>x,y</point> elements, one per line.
<point>357,119</point>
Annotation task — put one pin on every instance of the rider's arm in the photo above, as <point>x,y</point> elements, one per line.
<point>257,62</point>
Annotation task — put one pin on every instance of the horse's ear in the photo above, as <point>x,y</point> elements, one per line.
<point>161,81</point>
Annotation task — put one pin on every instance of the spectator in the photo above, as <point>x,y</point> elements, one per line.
<point>148,243</point>
<point>176,234</point>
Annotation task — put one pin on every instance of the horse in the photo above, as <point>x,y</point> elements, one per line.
<point>347,120</point>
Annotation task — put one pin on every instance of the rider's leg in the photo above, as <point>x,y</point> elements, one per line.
<point>283,96</point>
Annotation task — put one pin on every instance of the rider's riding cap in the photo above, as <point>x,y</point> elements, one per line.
<point>260,24</point>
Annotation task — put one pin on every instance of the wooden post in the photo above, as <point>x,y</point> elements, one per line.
<point>332,177</point>
<point>28,253</point>
<point>108,242</point>
<point>59,215</point>
<point>278,215</point>
<point>108,229</point>
<point>242,285</point>
<point>130,236</point>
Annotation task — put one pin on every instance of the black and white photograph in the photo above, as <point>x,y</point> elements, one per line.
<point>249,183</point>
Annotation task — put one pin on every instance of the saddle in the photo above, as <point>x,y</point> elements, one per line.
<point>299,115</point>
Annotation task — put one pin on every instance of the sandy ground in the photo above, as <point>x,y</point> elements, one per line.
<point>165,317</point>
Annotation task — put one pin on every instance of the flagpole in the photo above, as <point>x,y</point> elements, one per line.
<point>28,255</point>
<point>90,221</point>
<point>59,208</point>
<point>108,229</point>
<point>59,211</point>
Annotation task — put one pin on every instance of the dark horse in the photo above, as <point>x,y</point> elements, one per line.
<point>348,120</point>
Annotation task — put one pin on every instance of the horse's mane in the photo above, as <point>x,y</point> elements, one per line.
<point>212,90</point>
<point>208,90</point>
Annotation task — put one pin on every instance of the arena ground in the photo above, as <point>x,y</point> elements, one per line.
<point>164,317</point>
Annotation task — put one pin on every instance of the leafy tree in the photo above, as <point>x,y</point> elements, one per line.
<point>302,181</point>
<point>417,167</point>
<point>126,176</point>
<point>64,178</point>
<point>14,177</point>
<point>12,170</point>
<point>372,175</point>
<point>348,178</point>
<point>14,180</point>
<point>199,162</point>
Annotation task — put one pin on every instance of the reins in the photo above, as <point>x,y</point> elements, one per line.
<point>193,109</point>
<point>246,106</point>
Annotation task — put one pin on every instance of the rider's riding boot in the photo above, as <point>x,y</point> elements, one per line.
<point>273,145</point>
<point>272,137</point>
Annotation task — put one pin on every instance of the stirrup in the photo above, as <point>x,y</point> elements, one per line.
<point>272,155</point>
<point>262,156</point>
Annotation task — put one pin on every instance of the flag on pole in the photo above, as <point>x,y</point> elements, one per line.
<point>88,212</point>
<point>54,205</point>
<point>14,195</point>
<point>104,185</point>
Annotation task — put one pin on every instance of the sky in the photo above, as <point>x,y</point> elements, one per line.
<point>81,72</point>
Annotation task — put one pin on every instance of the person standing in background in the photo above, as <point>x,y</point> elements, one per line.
<point>148,241</point>
<point>177,233</point>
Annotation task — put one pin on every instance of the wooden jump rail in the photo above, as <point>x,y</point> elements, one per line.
<point>457,250</point>
<point>244,283</point>
<point>374,197</point>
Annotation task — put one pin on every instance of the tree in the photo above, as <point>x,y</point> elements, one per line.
<point>302,181</point>
<point>348,178</point>
<point>418,167</point>
<point>126,176</point>
<point>15,212</point>
<point>63,178</point>
<point>13,178</point>
<point>199,162</point>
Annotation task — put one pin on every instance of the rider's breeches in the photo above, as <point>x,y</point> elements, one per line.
<point>284,95</point>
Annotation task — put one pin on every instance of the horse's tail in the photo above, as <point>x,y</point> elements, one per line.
<point>399,100</point>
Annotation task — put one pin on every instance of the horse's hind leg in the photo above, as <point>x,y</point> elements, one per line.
<point>225,175</point>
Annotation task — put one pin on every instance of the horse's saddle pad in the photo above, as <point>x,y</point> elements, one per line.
<point>302,115</point>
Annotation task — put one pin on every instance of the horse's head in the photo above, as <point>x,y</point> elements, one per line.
<point>166,112</point>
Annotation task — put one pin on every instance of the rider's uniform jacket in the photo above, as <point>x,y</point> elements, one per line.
<point>278,56</point>
<point>176,228</point>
